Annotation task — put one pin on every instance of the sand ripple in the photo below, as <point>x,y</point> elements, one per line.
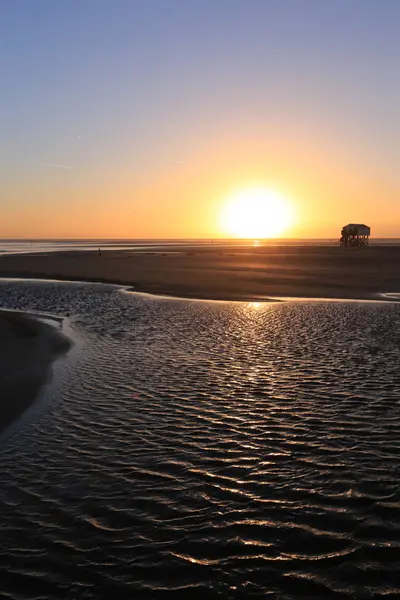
<point>207,450</point>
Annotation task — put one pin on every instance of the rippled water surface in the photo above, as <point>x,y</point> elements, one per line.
<point>206,450</point>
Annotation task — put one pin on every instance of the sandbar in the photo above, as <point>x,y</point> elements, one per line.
<point>229,273</point>
<point>28,347</point>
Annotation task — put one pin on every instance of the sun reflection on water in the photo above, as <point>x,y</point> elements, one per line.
<point>255,305</point>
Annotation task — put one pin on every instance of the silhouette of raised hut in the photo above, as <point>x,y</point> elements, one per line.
<point>355,234</point>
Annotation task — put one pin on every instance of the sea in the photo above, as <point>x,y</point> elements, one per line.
<point>205,450</point>
<point>18,246</point>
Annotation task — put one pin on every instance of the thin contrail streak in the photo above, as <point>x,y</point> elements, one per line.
<point>56,165</point>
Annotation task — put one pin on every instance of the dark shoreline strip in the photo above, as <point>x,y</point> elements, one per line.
<point>28,347</point>
<point>184,295</point>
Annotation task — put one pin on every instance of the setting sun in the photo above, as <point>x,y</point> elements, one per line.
<point>256,213</point>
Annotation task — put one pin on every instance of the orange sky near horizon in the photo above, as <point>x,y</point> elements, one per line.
<point>185,199</point>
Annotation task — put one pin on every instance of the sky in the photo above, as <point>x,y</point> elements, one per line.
<point>142,118</point>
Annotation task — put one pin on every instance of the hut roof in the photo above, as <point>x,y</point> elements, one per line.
<point>359,228</point>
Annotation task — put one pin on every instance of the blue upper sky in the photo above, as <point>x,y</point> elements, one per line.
<point>125,87</point>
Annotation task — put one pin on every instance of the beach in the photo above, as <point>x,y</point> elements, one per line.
<point>28,346</point>
<point>225,273</point>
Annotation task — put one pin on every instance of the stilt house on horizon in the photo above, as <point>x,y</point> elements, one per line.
<point>355,234</point>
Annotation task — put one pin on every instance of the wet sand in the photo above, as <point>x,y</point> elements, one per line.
<point>226,273</point>
<point>27,349</point>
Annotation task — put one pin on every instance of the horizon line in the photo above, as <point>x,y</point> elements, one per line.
<point>173,239</point>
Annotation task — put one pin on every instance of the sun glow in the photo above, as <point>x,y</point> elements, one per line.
<point>256,213</point>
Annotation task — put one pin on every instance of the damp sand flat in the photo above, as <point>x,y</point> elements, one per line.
<point>226,273</point>
<point>27,349</point>
<point>207,450</point>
